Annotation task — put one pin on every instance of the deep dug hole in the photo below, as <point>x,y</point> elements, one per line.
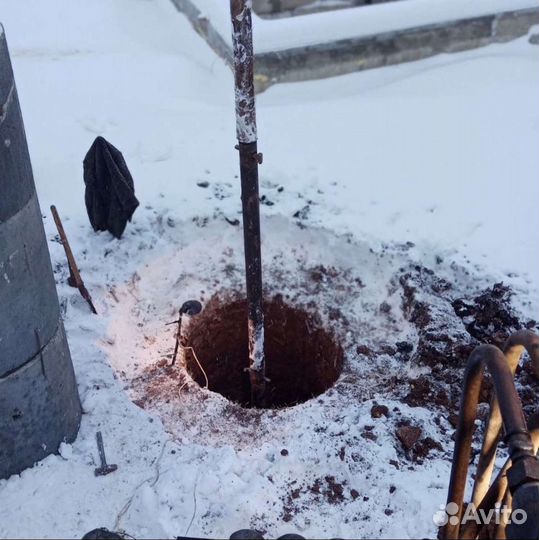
<point>303,359</point>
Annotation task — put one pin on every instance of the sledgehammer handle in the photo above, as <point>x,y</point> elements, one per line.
<point>101,449</point>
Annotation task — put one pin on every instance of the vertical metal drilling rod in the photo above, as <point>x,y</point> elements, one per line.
<point>242,38</point>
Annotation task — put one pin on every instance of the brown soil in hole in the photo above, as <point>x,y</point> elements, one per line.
<point>302,359</point>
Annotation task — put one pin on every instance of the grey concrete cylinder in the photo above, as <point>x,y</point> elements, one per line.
<point>39,401</point>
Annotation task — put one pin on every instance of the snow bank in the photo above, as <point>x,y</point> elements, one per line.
<point>441,153</point>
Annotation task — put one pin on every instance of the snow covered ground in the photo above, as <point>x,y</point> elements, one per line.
<point>441,153</point>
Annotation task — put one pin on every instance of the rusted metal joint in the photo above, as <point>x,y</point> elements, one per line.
<point>523,471</point>
<point>526,498</point>
<point>258,157</point>
<point>519,443</point>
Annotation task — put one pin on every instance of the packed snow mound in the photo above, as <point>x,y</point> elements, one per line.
<point>409,179</point>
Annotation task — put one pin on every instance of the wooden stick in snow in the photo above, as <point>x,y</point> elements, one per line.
<point>74,275</point>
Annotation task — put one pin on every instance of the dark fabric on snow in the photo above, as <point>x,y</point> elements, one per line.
<point>110,191</point>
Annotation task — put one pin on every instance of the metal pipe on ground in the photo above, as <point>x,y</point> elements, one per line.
<point>39,401</point>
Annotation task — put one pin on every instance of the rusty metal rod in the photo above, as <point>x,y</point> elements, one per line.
<point>497,491</point>
<point>513,349</point>
<point>75,278</point>
<point>517,436</point>
<point>242,38</point>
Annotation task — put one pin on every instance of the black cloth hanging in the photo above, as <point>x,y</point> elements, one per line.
<point>110,190</point>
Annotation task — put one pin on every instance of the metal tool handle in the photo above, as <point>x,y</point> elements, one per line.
<point>101,448</point>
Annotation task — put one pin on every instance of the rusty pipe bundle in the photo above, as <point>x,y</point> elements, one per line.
<point>521,473</point>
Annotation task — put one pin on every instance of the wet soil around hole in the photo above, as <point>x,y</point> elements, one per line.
<point>302,359</point>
